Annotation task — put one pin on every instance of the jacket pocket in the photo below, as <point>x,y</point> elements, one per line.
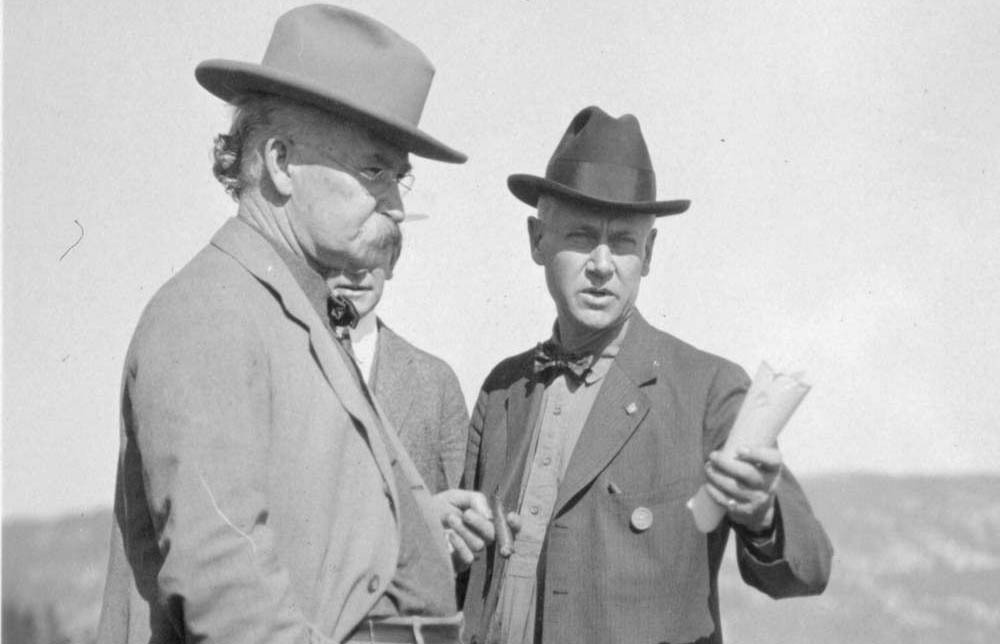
<point>657,575</point>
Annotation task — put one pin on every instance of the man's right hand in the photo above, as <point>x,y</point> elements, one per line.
<point>468,524</point>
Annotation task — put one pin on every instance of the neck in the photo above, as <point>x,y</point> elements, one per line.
<point>271,222</point>
<point>575,339</point>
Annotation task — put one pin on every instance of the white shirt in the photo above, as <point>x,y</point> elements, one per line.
<point>364,340</point>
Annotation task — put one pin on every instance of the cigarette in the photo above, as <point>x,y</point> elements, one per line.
<point>504,538</point>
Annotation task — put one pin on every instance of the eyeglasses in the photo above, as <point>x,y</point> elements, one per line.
<point>375,180</point>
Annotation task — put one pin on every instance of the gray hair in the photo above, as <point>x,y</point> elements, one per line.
<point>256,117</point>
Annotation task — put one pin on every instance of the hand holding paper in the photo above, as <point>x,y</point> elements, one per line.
<point>770,402</point>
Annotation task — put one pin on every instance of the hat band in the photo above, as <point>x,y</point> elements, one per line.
<point>604,181</point>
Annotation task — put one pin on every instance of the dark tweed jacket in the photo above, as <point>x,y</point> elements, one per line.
<point>663,406</point>
<point>422,398</point>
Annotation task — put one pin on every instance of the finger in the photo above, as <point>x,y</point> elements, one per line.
<point>460,551</point>
<point>726,485</point>
<point>466,499</point>
<point>721,497</point>
<point>745,474</point>
<point>767,459</point>
<point>479,524</point>
<point>473,542</point>
<point>477,502</point>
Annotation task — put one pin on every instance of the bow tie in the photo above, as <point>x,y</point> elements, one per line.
<point>341,311</point>
<point>550,357</point>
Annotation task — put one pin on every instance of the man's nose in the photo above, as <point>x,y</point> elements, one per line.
<point>599,262</point>
<point>390,204</point>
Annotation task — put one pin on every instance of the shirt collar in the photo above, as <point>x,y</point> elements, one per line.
<point>604,348</point>
<point>367,327</point>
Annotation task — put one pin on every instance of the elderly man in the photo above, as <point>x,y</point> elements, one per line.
<point>597,438</point>
<point>419,392</point>
<point>262,495</point>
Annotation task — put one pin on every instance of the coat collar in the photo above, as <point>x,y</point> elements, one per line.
<point>619,408</point>
<point>394,378</point>
<point>246,245</point>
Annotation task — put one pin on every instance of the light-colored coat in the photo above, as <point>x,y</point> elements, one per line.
<point>662,407</point>
<point>422,398</point>
<point>255,495</point>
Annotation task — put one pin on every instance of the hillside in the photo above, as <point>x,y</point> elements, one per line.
<point>917,560</point>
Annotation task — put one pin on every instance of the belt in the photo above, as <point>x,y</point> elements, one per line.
<point>409,630</point>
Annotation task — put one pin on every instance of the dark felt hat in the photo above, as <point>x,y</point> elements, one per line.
<point>343,62</point>
<point>601,162</point>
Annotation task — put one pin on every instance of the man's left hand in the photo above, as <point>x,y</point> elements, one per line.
<point>468,524</point>
<point>745,484</point>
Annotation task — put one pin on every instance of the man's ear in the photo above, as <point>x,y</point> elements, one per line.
<point>535,230</point>
<point>647,260</point>
<point>276,151</point>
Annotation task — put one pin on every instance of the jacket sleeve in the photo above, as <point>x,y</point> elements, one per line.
<point>454,427</point>
<point>804,550</point>
<point>197,401</point>
<point>802,565</point>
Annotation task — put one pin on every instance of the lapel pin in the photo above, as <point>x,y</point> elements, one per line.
<point>630,408</point>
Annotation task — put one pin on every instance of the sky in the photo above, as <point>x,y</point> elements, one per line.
<point>842,159</point>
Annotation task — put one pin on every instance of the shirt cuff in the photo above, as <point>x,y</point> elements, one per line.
<point>764,546</point>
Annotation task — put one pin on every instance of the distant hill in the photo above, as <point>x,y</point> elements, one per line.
<point>53,578</point>
<point>917,560</point>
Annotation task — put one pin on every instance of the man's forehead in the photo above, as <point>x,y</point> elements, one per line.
<point>364,145</point>
<point>567,213</point>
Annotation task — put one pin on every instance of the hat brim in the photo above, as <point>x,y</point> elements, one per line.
<point>227,79</point>
<point>528,188</point>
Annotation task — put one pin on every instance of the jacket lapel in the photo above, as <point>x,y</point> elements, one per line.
<point>619,409</point>
<point>395,383</point>
<point>248,247</point>
<point>524,400</point>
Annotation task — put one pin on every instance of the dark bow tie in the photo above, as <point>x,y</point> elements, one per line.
<point>549,357</point>
<point>341,311</point>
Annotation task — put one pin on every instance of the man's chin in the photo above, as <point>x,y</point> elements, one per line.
<point>590,321</point>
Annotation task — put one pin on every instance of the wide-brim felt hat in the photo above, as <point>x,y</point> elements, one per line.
<point>601,162</point>
<point>343,62</point>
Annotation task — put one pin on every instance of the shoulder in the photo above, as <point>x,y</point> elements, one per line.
<point>510,371</point>
<point>426,363</point>
<point>677,356</point>
<point>206,301</point>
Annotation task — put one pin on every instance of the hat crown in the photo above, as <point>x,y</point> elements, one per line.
<point>604,158</point>
<point>601,162</point>
<point>593,136</point>
<point>364,60</point>
<point>343,62</point>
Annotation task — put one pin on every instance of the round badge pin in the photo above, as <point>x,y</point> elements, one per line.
<point>642,519</point>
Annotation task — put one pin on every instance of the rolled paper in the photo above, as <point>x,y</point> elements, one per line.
<point>770,402</point>
<point>504,537</point>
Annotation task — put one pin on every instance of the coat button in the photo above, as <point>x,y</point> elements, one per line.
<point>642,519</point>
<point>373,583</point>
